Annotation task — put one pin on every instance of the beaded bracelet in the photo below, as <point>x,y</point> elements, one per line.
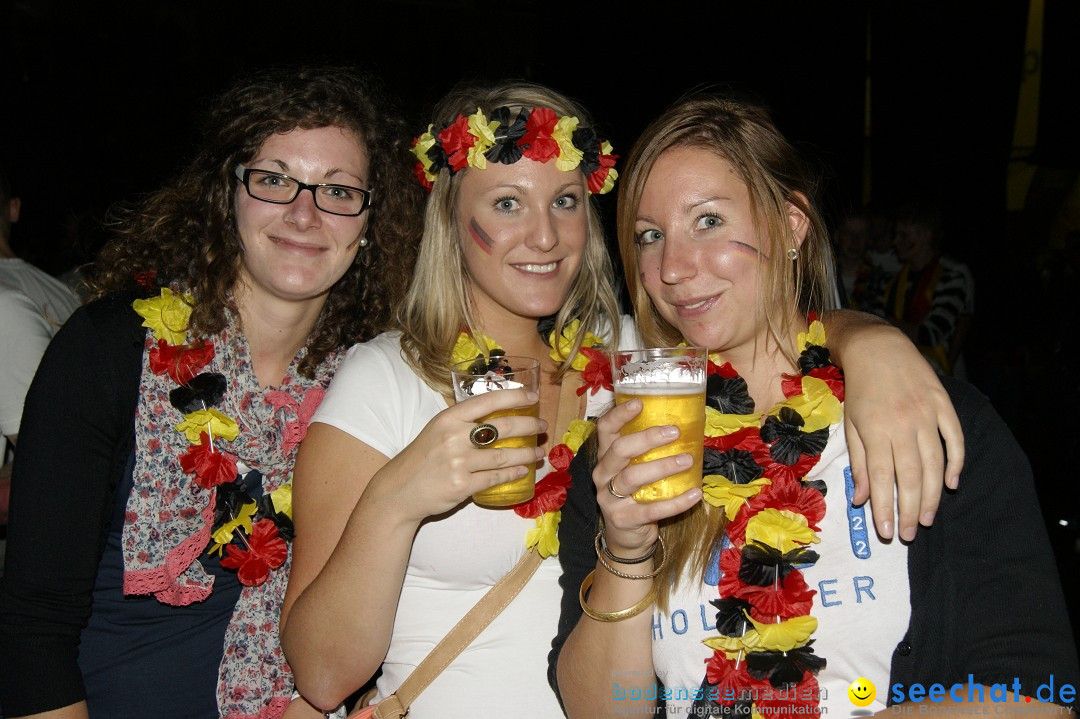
<point>603,562</point>
<point>613,616</point>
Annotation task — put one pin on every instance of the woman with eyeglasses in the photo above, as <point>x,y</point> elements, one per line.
<point>150,531</point>
<point>391,551</point>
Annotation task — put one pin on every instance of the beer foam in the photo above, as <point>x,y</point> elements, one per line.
<point>659,388</point>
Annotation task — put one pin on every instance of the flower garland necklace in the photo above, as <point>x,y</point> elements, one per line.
<point>252,532</point>
<point>756,472</point>
<point>550,493</point>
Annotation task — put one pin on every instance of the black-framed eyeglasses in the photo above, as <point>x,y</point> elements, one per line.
<point>281,189</point>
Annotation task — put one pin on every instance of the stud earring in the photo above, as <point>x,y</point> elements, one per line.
<point>363,242</point>
<point>792,254</point>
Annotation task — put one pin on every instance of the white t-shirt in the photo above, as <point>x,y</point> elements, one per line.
<point>54,300</point>
<point>862,604</point>
<point>25,331</point>
<point>455,558</point>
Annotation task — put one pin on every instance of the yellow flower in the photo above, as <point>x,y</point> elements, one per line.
<point>817,405</point>
<point>561,350</point>
<point>569,156</point>
<point>546,534</point>
<point>719,491</point>
<point>424,143</point>
<point>167,316</point>
<point>781,530</point>
<point>576,434</point>
<point>216,424</point>
<point>783,637</point>
<point>732,646</point>
<point>466,349</point>
<point>814,336</point>
<point>721,425</point>
<point>282,499</point>
<point>224,534</point>
<point>484,132</point>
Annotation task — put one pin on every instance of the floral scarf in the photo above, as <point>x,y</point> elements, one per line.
<point>169,516</point>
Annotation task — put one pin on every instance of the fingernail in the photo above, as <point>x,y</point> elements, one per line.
<point>539,453</point>
<point>952,482</point>
<point>694,495</point>
<point>886,530</point>
<point>907,534</point>
<point>532,396</point>
<point>927,519</point>
<point>522,471</point>
<point>684,460</point>
<point>543,425</point>
<point>670,431</point>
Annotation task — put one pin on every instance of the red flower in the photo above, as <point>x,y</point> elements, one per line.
<point>146,279</point>
<point>730,441</point>
<point>537,142</point>
<point>418,170</point>
<point>597,372</point>
<point>560,456</point>
<point>182,362</point>
<point>550,496</point>
<point>792,598</point>
<point>456,141</point>
<point>211,468</point>
<point>730,683</point>
<point>266,551</point>
<point>724,370</point>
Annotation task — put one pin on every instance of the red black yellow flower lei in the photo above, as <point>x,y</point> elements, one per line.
<point>595,368</point>
<point>537,134</point>
<point>756,472</point>
<point>252,532</point>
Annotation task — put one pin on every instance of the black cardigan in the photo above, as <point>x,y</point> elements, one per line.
<point>45,597</point>
<point>985,595</point>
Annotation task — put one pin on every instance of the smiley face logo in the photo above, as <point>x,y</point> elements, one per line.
<point>862,692</point>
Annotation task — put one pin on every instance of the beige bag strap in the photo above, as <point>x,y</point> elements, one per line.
<point>464,632</point>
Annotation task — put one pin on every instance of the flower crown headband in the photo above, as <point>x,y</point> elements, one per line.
<point>538,134</point>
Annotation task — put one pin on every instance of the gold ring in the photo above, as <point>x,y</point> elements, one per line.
<point>483,435</point>
<point>615,492</point>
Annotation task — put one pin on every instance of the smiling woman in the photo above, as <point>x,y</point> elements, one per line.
<point>156,458</point>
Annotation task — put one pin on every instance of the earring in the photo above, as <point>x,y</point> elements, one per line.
<point>792,254</point>
<point>363,242</point>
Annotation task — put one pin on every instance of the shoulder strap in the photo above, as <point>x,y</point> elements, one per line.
<point>464,632</point>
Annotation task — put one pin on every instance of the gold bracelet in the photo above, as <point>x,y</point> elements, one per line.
<point>613,616</point>
<point>624,575</point>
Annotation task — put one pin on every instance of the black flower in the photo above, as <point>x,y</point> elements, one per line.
<point>730,620</point>
<point>761,563</point>
<point>586,140</point>
<point>738,465</point>
<point>728,395</point>
<point>506,149</point>
<point>201,391</point>
<point>783,669</point>
<point>812,357</point>
<point>787,441</point>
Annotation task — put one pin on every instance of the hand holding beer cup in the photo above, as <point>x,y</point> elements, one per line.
<point>670,383</point>
<point>500,372</point>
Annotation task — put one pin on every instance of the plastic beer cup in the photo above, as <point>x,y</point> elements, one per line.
<point>670,382</point>
<point>497,373</point>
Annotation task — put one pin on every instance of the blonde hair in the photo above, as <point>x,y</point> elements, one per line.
<point>437,305</point>
<point>775,176</point>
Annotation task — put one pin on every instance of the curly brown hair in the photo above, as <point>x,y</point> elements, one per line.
<point>187,233</point>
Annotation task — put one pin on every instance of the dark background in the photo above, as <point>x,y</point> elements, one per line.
<point>98,103</point>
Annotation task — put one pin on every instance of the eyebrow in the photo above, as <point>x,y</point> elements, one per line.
<point>694,204</point>
<point>327,175</point>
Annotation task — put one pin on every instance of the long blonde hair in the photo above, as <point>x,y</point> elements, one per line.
<point>775,176</point>
<point>437,305</point>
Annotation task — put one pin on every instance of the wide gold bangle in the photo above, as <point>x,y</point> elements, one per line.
<point>613,616</point>
<point>600,552</point>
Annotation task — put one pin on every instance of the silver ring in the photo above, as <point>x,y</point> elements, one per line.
<point>615,492</point>
<point>483,435</point>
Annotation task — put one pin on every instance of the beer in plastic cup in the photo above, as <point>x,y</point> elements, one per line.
<point>496,373</point>
<point>670,382</point>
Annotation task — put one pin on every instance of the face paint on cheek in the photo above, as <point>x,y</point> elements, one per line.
<point>481,238</point>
